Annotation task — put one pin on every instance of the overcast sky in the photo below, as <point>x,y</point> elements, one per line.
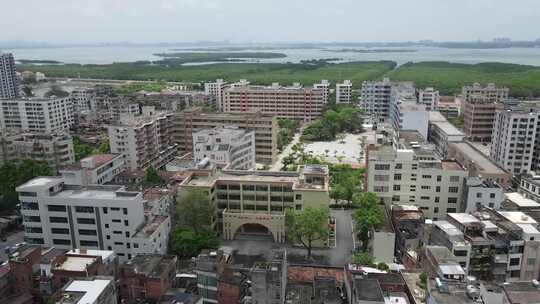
<point>88,21</point>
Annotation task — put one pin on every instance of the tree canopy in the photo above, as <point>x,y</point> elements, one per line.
<point>364,259</point>
<point>337,119</point>
<point>368,216</point>
<point>187,243</point>
<point>13,174</point>
<point>57,91</point>
<point>194,210</point>
<point>151,177</point>
<point>308,226</point>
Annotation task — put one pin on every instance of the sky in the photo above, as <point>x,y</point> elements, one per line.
<point>150,21</point>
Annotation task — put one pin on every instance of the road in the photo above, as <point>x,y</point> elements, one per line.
<point>278,164</point>
<point>12,239</point>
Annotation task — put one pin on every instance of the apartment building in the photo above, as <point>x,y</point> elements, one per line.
<point>93,217</point>
<point>449,106</point>
<point>441,132</point>
<point>255,201</point>
<point>480,103</point>
<point>55,149</point>
<point>514,142</point>
<point>413,174</point>
<point>376,96</point>
<point>93,170</point>
<point>294,102</point>
<point>407,114</point>
<point>9,82</point>
<point>265,128</point>
<point>478,164</point>
<point>480,194</point>
<point>40,115</point>
<point>408,222</point>
<point>84,99</point>
<point>344,92</point>
<point>324,85</point>
<point>215,89</point>
<point>144,141</point>
<point>530,187</point>
<point>445,234</point>
<point>225,146</point>
<point>429,97</point>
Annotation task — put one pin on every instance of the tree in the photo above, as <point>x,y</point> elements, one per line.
<point>367,217</point>
<point>187,243</point>
<point>383,266</point>
<point>308,226</point>
<point>151,177</point>
<point>81,149</point>
<point>195,211</point>
<point>13,175</point>
<point>364,259</point>
<point>27,90</point>
<point>103,148</point>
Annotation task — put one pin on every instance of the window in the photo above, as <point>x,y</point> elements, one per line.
<point>115,209</point>
<point>395,198</point>
<point>397,176</point>
<point>119,243</point>
<point>479,195</point>
<point>452,200</point>
<point>125,210</point>
<point>261,188</point>
<point>105,210</point>
<point>61,242</point>
<point>439,178</point>
<point>127,234</point>
<point>450,210</point>
<point>33,229</point>
<point>87,232</point>
<point>116,221</point>
<point>381,178</point>
<point>126,223</point>
<point>86,221</point>
<point>397,187</point>
<point>32,219</point>
<point>135,245</point>
<point>58,219</point>
<point>382,167</point>
<point>426,176</point>
<point>453,189</point>
<point>117,232</point>
<point>515,261</point>
<point>424,198</point>
<point>298,207</point>
<point>424,187</point>
<point>106,225</point>
<point>30,194</point>
<point>84,209</point>
<point>399,166</point>
<point>492,195</point>
<point>59,231</point>
<point>108,237</point>
<point>56,208</point>
<point>437,199</point>
<point>380,189</point>
<point>298,197</point>
<point>460,253</point>
<point>435,209</point>
<point>454,179</point>
<point>437,189</point>
<point>29,206</point>
<point>89,243</point>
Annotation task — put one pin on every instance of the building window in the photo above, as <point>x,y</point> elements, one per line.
<point>125,211</point>
<point>105,210</point>
<point>436,210</point>
<point>298,197</point>
<point>399,166</point>
<point>397,176</point>
<point>426,176</point>
<point>87,232</point>
<point>382,178</point>
<point>135,245</point>
<point>453,189</point>
<point>397,187</point>
<point>454,179</point>
<point>450,210</point>
<point>452,200</point>
<point>84,209</point>
<point>56,208</point>
<point>478,195</point>
<point>492,195</point>
<point>89,243</point>
<point>439,178</point>
<point>61,242</point>
<point>383,167</point>
<point>86,221</point>
<point>59,231</point>
<point>515,261</point>
<point>58,219</point>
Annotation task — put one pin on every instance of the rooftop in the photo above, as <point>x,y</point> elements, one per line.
<point>84,291</point>
<point>522,292</point>
<point>521,201</point>
<point>518,217</point>
<point>106,255</point>
<point>151,265</point>
<point>75,263</point>
<point>448,228</point>
<point>448,128</point>
<point>451,165</point>
<point>150,227</point>
<point>368,290</point>
<point>481,161</point>
<point>463,218</point>
<point>436,116</point>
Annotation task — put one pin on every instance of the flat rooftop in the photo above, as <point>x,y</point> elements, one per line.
<point>75,263</point>
<point>518,217</point>
<point>106,255</point>
<point>447,128</point>
<point>90,290</point>
<point>463,218</point>
<point>521,201</point>
<point>448,228</point>
<point>451,165</point>
<point>522,292</point>
<point>479,159</point>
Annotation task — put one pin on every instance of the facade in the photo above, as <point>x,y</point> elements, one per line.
<point>93,170</point>
<point>376,96</point>
<point>408,222</point>
<point>478,164</point>
<point>98,290</point>
<point>514,143</point>
<point>344,92</point>
<point>480,194</point>
<point>225,146</point>
<point>413,175</point>
<point>9,82</point>
<point>97,217</point>
<point>295,102</point>
<point>215,89</point>
<point>480,104</point>
<point>448,235</point>
<point>265,128</point>
<point>55,149</point>
<point>40,115</point>
<point>441,132</point>
<point>429,97</point>
<point>324,85</point>
<point>144,141</point>
<point>255,201</point>
<point>530,187</point>
<point>383,240</point>
<point>83,99</point>
<point>449,106</point>
<point>407,114</point>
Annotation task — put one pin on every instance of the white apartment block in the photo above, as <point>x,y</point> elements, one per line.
<point>40,115</point>
<point>83,99</point>
<point>479,193</point>
<point>488,93</point>
<point>9,82</point>
<point>55,149</point>
<point>441,132</point>
<point>376,96</point>
<point>325,86</point>
<point>530,186</point>
<point>414,175</point>
<point>344,92</point>
<point>514,139</point>
<point>446,234</point>
<point>429,97</point>
<point>215,89</point>
<point>94,170</point>
<point>96,217</point>
<point>144,141</point>
<point>406,114</point>
<point>225,146</point>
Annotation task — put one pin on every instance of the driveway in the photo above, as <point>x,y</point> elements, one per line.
<point>278,164</point>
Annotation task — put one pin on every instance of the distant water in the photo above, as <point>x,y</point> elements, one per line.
<point>107,54</point>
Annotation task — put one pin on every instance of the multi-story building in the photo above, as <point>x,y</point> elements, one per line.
<point>41,115</point>
<point>429,97</point>
<point>448,235</point>
<point>449,106</point>
<point>97,217</point>
<point>441,132</point>
<point>255,201</point>
<point>479,194</point>
<point>414,174</point>
<point>521,292</point>
<point>376,96</point>
<point>265,128</point>
<point>515,140</point>
<point>9,82</point>
<point>325,86</point>
<point>215,89</point>
<point>344,92</point>
<point>530,186</point>
<point>408,222</point>
<point>55,149</point>
<point>93,170</point>
<point>225,146</point>
<point>478,164</point>
<point>144,141</point>
<point>480,105</point>
<point>407,114</point>
<point>295,102</point>
<point>83,99</point>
